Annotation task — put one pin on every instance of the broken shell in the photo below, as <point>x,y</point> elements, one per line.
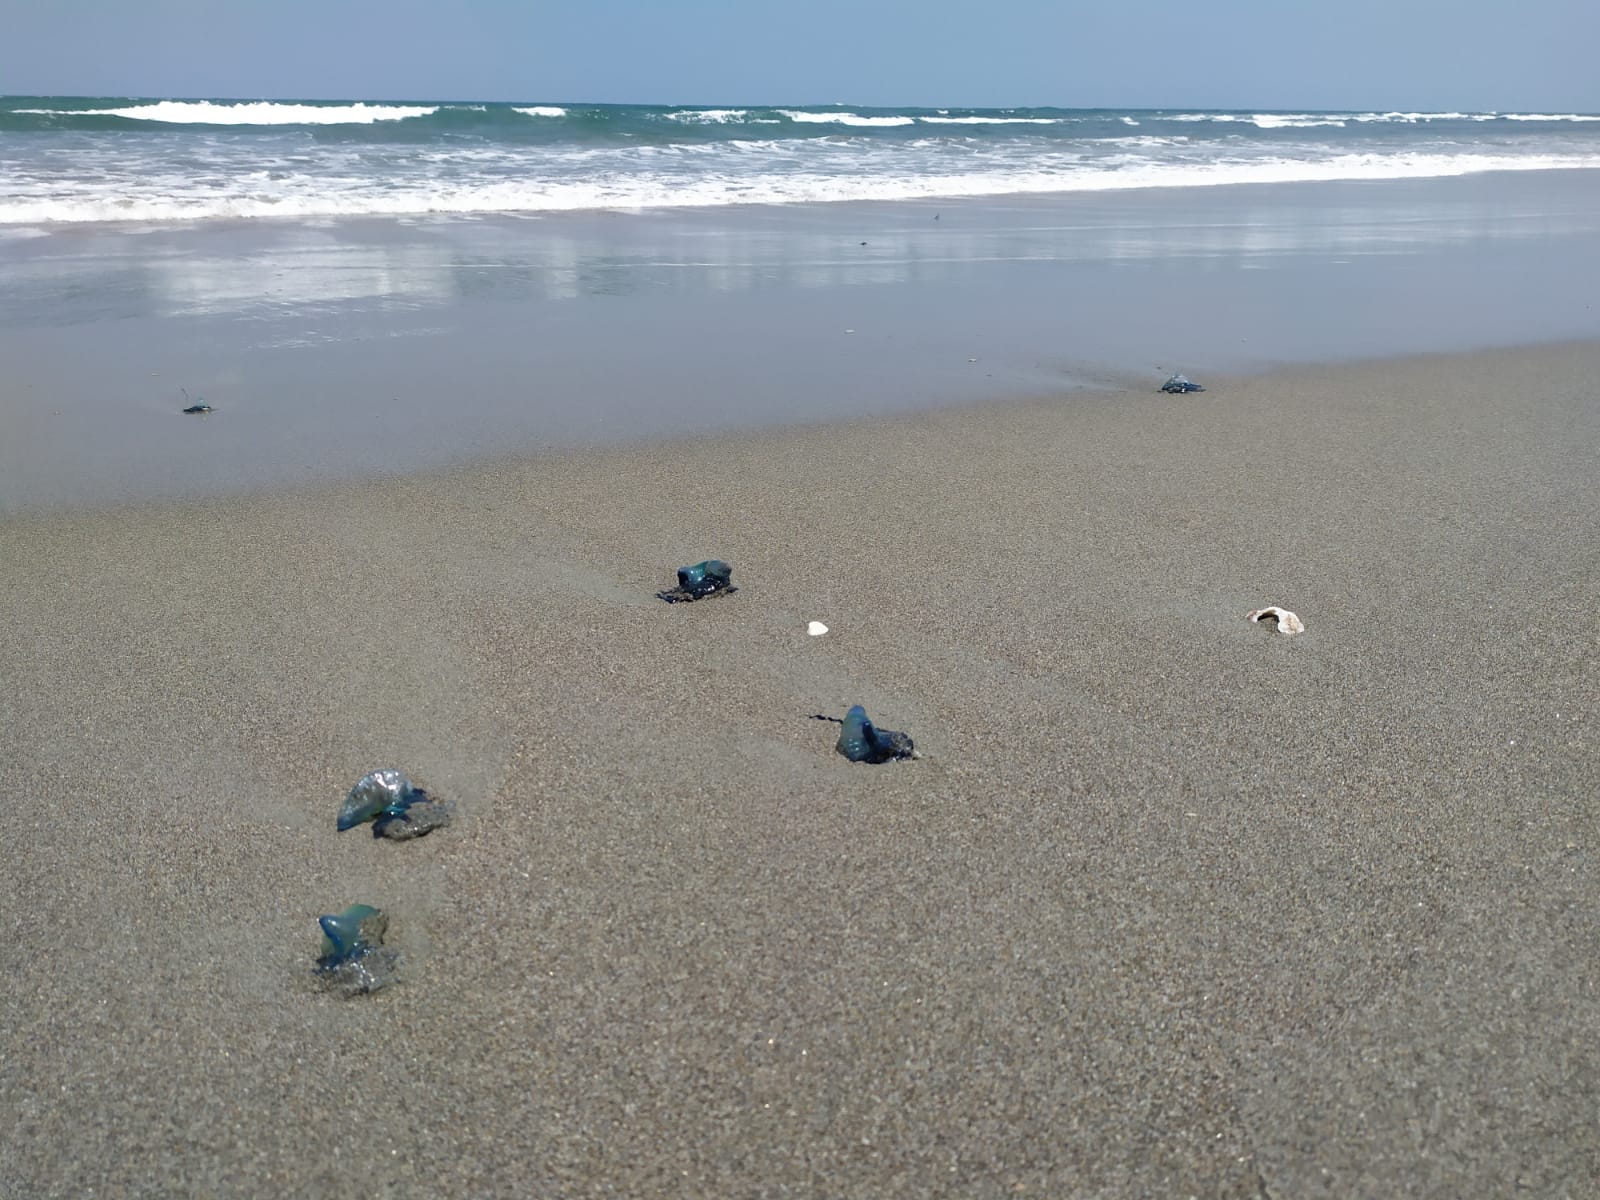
<point>862,741</point>
<point>353,959</point>
<point>816,629</point>
<point>699,581</point>
<point>1287,623</point>
<point>398,809</point>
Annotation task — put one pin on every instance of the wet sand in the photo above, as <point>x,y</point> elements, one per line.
<point>1170,906</point>
<point>341,349</point>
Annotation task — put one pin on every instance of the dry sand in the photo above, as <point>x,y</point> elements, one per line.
<point>1171,906</point>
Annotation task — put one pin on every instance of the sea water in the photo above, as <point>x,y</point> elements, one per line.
<point>361,287</point>
<point>77,159</point>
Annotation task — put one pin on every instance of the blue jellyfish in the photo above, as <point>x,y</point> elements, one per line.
<point>397,808</point>
<point>862,741</point>
<point>353,959</point>
<point>710,578</point>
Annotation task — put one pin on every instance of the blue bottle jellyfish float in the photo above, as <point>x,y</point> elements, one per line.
<point>397,808</point>
<point>353,960</point>
<point>710,578</point>
<point>862,741</point>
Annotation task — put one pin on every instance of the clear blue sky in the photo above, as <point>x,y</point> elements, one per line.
<point>1387,54</point>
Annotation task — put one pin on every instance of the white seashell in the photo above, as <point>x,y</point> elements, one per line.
<point>816,629</point>
<point>1285,620</point>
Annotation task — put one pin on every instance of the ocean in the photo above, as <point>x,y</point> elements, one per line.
<point>66,160</point>
<point>361,287</point>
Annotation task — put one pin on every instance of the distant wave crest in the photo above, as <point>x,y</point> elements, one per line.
<point>708,116</point>
<point>991,120</point>
<point>261,112</point>
<point>804,117</point>
<point>1268,120</point>
<point>1334,119</point>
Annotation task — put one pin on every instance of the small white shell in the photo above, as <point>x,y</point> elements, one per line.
<point>1287,623</point>
<point>816,629</point>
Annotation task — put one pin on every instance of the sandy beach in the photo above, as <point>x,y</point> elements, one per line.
<point>1170,906</point>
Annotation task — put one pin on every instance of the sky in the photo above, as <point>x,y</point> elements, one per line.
<point>1410,55</point>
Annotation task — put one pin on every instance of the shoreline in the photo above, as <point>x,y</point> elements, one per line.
<point>1170,904</point>
<point>865,206</point>
<point>328,350</point>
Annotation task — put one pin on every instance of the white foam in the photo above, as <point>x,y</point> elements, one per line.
<point>816,118</point>
<point>708,116</point>
<point>122,184</point>
<point>1264,120</point>
<point>1411,118</point>
<point>1146,141</point>
<point>264,112</point>
<point>991,120</point>
<point>1296,121</point>
<point>541,110</point>
<point>1311,120</point>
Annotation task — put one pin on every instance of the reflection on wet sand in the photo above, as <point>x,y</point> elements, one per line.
<point>336,347</point>
<point>266,269</point>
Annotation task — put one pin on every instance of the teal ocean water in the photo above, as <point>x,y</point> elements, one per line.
<point>77,159</point>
